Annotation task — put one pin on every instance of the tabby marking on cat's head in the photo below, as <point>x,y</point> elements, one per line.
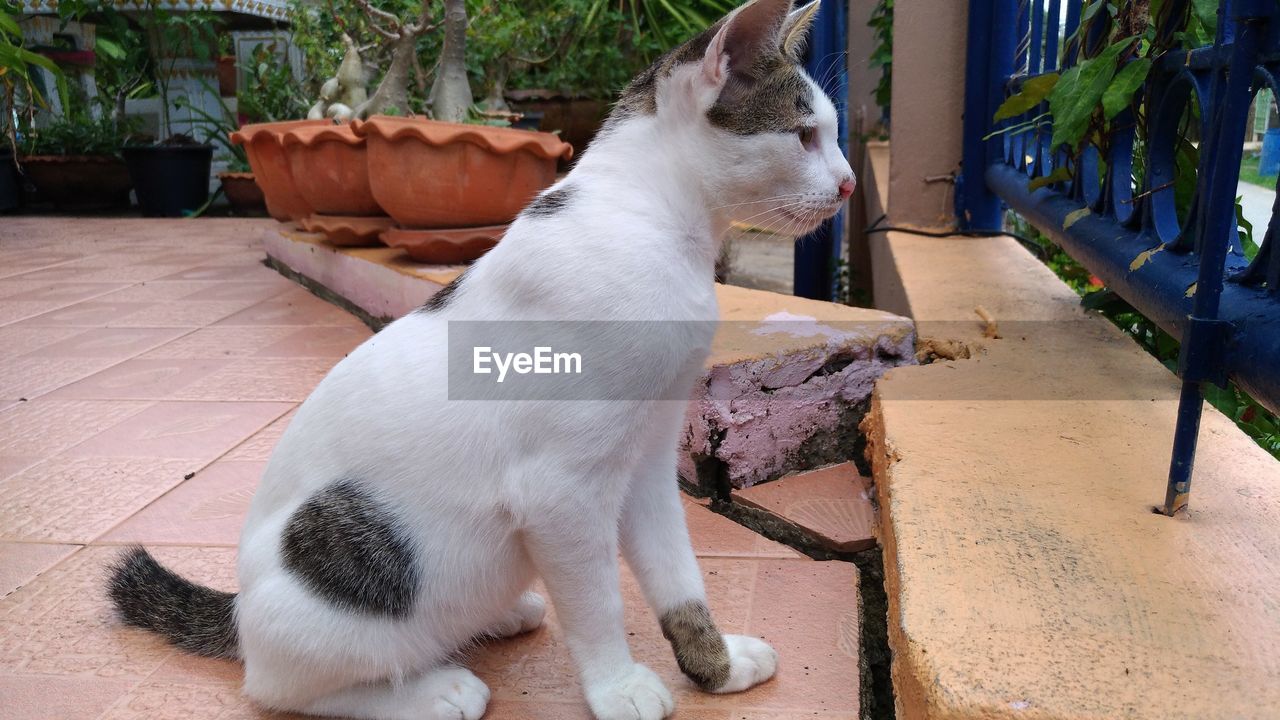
<point>739,100</point>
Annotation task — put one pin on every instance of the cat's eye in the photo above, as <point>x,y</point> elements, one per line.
<point>806,135</point>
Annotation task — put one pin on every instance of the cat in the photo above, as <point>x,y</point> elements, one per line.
<point>393,525</point>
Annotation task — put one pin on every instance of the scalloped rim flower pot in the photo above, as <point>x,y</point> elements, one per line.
<point>243,193</point>
<point>429,174</point>
<point>262,144</point>
<point>348,231</point>
<point>330,170</point>
<point>445,247</point>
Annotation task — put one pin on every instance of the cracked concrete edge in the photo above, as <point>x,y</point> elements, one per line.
<point>909,667</point>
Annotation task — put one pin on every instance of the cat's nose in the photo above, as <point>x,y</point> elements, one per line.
<point>846,188</point>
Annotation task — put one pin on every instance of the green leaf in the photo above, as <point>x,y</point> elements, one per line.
<point>1090,11</point>
<point>1078,93</point>
<point>1061,174</point>
<point>10,26</point>
<point>1126,82</point>
<point>1206,11</point>
<point>109,48</point>
<point>1033,92</point>
<point>1075,216</point>
<point>1246,237</point>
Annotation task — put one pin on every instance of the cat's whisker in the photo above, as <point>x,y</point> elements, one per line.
<point>761,200</point>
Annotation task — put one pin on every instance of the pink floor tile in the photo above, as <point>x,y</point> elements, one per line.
<point>30,377</point>
<point>77,499</point>
<point>65,292</point>
<point>253,292</point>
<point>292,308</point>
<point>12,311</point>
<point>22,562</point>
<point>263,379</point>
<point>21,339</point>
<point>180,314</point>
<point>326,342</point>
<point>227,273</point>
<point>222,342</point>
<point>17,262</point>
<point>182,430</point>
<point>173,701</point>
<point>208,509</point>
<point>61,624</point>
<point>714,535</point>
<point>159,291</point>
<point>14,464</point>
<point>831,504</point>
<point>795,605</point>
<point>91,313</point>
<point>43,428</point>
<point>140,379</point>
<point>259,447</point>
<point>59,698</point>
<point>117,343</point>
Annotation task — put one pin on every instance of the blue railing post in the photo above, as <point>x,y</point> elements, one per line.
<point>1205,337</point>
<point>988,65</point>
<point>1228,332</point>
<point>816,254</point>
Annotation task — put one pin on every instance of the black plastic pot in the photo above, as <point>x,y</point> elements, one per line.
<point>10,186</point>
<point>170,180</point>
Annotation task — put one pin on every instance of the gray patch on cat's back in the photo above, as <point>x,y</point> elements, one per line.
<point>550,202</point>
<point>443,295</point>
<point>350,550</point>
<point>699,647</point>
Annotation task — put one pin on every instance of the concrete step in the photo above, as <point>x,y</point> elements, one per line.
<point>786,385</point>
<point>1026,573</point>
<point>828,509</point>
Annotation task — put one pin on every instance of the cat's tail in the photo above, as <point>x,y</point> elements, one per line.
<point>193,617</point>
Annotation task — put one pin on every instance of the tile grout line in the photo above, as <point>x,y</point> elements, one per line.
<point>184,480</point>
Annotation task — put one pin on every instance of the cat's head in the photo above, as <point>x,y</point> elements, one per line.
<point>737,104</point>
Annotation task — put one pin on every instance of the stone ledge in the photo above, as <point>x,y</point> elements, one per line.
<point>1026,573</point>
<point>788,379</point>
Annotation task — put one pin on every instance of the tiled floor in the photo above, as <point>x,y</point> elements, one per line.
<point>148,369</point>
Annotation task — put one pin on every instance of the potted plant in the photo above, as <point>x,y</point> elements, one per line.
<point>227,70</point>
<point>172,176</point>
<point>21,95</point>
<point>239,185</point>
<point>74,161</point>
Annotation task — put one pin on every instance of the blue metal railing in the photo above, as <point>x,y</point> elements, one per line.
<point>1189,274</point>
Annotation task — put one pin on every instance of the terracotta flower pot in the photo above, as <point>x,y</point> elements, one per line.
<point>262,143</point>
<point>243,193</point>
<point>227,75</point>
<point>329,169</point>
<point>429,174</point>
<point>578,118</point>
<point>80,182</point>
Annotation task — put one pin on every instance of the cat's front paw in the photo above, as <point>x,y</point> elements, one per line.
<point>636,694</point>
<point>751,662</point>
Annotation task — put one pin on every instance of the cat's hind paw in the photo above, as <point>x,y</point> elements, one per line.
<point>751,662</point>
<point>526,615</point>
<point>637,694</point>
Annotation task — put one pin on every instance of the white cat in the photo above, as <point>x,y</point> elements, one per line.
<point>394,525</point>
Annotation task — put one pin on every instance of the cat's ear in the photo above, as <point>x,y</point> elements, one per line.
<point>748,32</point>
<point>795,30</point>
